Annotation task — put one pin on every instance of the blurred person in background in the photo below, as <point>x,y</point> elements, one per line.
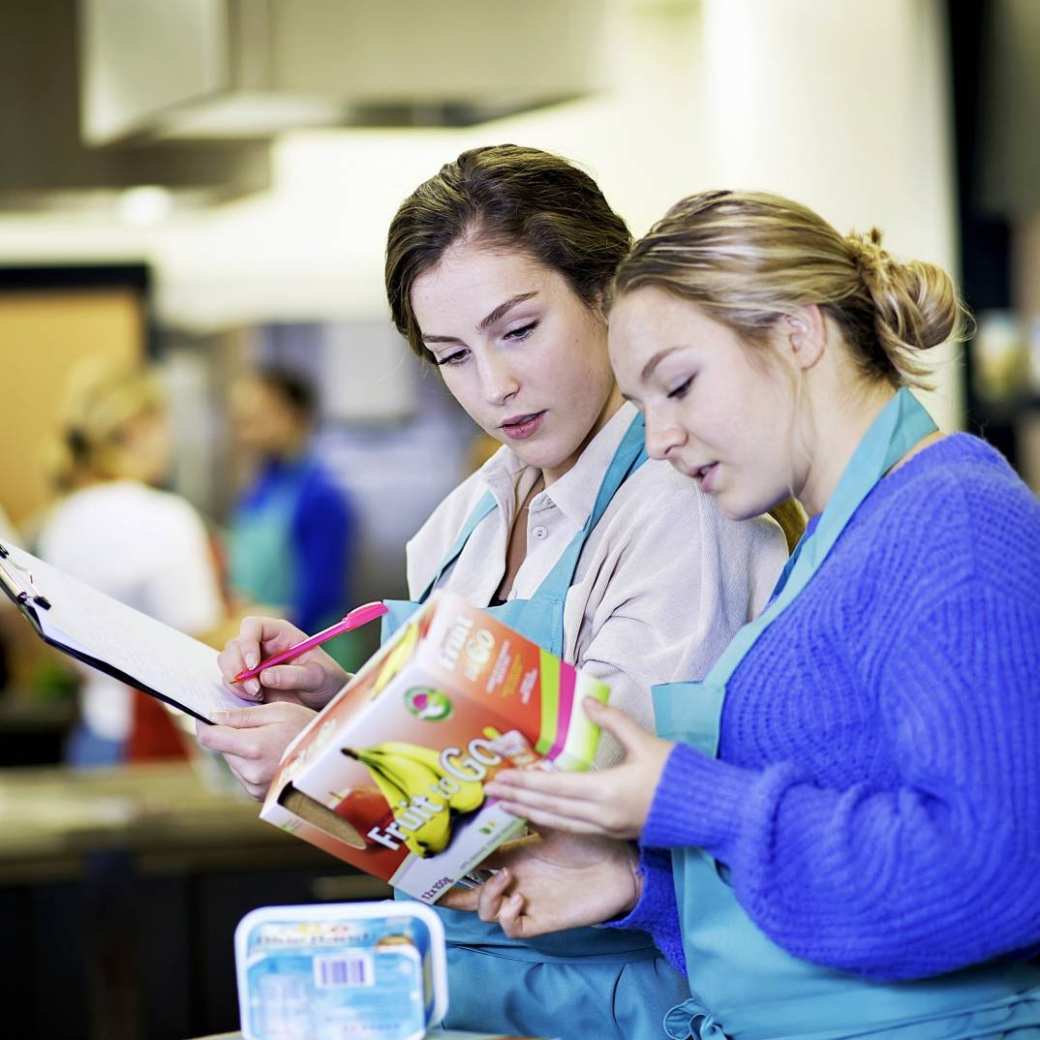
<point>291,537</point>
<point>497,272</point>
<point>115,529</point>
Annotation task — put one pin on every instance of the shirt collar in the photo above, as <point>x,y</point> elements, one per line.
<point>574,494</point>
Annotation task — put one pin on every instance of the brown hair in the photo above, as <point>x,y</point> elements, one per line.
<point>748,258</point>
<point>510,196</point>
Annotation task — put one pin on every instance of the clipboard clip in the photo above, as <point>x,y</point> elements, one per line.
<point>22,590</point>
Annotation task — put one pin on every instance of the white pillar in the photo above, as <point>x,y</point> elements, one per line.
<point>843,105</point>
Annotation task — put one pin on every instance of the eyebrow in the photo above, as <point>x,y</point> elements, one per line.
<point>656,360</point>
<point>500,311</point>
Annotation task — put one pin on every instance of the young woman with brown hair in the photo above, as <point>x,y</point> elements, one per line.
<point>497,271</point>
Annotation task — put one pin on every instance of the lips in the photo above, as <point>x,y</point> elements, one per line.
<point>705,475</point>
<point>519,420</point>
<point>519,427</point>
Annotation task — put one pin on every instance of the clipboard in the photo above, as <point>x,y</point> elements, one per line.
<point>101,632</point>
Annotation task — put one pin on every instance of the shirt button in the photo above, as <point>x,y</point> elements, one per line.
<point>539,532</point>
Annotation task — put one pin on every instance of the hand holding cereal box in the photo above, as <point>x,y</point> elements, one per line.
<point>390,776</point>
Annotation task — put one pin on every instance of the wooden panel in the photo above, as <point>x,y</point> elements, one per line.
<point>43,335</point>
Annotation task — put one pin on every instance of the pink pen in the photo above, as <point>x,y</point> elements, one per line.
<point>355,619</point>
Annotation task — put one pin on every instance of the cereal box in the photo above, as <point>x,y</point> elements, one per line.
<point>390,775</point>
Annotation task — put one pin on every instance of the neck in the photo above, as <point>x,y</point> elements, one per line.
<point>833,436</point>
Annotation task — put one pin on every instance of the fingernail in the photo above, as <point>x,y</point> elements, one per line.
<point>253,688</point>
<point>252,660</point>
<point>219,717</point>
<point>269,677</point>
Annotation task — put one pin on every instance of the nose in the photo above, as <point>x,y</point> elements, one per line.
<point>663,436</point>
<point>498,380</point>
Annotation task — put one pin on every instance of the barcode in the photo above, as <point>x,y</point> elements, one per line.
<point>353,970</point>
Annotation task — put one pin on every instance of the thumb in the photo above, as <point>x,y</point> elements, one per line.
<point>628,733</point>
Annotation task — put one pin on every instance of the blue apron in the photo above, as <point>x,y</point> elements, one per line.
<point>262,560</point>
<point>745,986</point>
<point>587,982</point>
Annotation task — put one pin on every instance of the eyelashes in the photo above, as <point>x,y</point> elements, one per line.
<point>513,336</point>
<point>521,333</point>
<point>681,390</point>
<point>452,359</point>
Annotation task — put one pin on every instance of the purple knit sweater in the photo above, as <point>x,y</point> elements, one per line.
<point>877,792</point>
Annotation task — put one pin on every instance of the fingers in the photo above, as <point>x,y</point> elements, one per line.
<point>577,786</point>
<point>492,893</point>
<point>512,920</point>
<point>232,660</point>
<point>258,637</point>
<point>250,775</point>
<point>629,734</point>
<point>460,899</point>
<point>244,718</point>
<point>554,821</point>
<point>528,801</point>
<point>306,677</point>
<point>265,636</point>
<point>229,741</point>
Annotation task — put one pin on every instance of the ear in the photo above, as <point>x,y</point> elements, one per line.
<point>803,336</point>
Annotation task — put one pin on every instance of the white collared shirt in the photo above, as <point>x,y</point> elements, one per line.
<point>662,585</point>
<point>146,548</point>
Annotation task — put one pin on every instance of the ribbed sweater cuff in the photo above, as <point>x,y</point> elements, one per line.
<point>656,896</point>
<point>699,801</point>
<point>656,911</point>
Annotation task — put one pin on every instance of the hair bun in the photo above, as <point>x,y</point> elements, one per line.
<point>869,256</point>
<point>915,304</point>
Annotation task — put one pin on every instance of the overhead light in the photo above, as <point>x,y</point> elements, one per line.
<point>45,163</point>
<point>145,205</point>
<point>154,69</point>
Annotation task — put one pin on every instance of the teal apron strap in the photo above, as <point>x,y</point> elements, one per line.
<point>901,424</point>
<point>486,505</point>
<point>630,455</point>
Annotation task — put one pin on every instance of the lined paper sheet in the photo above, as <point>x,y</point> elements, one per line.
<point>158,657</point>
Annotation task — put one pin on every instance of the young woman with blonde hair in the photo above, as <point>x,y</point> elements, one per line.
<point>840,826</point>
<point>116,529</point>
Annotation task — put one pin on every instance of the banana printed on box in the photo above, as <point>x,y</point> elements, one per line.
<point>390,776</point>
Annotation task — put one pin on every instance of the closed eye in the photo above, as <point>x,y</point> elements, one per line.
<point>453,359</point>
<point>521,333</point>
<point>679,392</point>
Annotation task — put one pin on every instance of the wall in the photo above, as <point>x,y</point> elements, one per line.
<point>839,103</point>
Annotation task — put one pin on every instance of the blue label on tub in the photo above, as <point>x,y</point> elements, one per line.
<point>359,980</point>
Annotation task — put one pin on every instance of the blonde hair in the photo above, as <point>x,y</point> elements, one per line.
<point>101,400</point>
<point>748,258</point>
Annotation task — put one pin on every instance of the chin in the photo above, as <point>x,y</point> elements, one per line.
<point>734,507</point>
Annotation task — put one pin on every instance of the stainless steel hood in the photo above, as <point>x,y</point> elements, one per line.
<point>162,69</point>
<point>43,162</point>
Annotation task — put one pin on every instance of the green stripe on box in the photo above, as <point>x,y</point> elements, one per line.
<point>549,666</point>
<point>583,738</point>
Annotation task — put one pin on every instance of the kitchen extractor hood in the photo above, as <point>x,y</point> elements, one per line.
<point>44,163</point>
<point>165,69</point>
